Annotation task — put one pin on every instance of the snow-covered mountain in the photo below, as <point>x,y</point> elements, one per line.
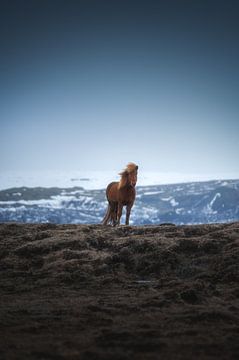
<point>185,203</point>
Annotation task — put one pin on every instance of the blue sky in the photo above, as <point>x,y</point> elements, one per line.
<point>92,85</point>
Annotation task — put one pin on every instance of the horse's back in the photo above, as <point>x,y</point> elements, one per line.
<point>112,191</point>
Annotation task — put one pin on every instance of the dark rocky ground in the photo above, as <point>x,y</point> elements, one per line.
<point>94,292</point>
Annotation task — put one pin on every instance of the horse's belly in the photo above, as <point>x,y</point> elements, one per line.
<point>112,192</point>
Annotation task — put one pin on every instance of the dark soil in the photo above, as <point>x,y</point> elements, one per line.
<point>94,292</point>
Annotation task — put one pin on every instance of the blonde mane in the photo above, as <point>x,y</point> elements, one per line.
<point>130,168</point>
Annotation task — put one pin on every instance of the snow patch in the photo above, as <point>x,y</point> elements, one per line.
<point>152,192</point>
<point>218,195</point>
<point>167,199</point>
<point>179,211</point>
<point>55,202</point>
<point>209,208</point>
<point>172,201</point>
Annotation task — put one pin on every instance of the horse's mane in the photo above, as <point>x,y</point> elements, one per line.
<point>131,167</point>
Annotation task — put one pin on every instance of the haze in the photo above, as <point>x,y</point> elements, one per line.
<point>92,85</point>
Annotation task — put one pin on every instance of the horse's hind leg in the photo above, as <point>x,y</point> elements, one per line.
<point>107,216</point>
<point>113,212</point>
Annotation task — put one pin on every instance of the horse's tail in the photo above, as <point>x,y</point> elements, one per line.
<point>111,194</point>
<point>107,216</point>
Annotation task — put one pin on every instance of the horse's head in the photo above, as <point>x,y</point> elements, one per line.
<point>129,175</point>
<point>132,177</point>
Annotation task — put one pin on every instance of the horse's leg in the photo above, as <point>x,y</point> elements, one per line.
<point>114,214</point>
<point>107,216</point>
<point>128,210</point>
<point>119,213</point>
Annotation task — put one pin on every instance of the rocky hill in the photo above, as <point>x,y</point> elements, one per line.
<point>94,292</point>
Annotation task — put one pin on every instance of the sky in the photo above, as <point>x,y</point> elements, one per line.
<point>92,85</point>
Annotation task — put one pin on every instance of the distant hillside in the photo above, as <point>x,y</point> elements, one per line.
<point>186,203</point>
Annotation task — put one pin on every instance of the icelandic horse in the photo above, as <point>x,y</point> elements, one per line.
<point>121,194</point>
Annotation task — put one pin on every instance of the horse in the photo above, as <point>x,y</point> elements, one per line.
<point>121,194</point>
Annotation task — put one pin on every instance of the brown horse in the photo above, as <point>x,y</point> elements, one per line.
<point>121,194</point>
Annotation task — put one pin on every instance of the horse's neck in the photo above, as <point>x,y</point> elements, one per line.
<point>123,183</point>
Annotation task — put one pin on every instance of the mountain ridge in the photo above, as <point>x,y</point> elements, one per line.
<point>182,203</point>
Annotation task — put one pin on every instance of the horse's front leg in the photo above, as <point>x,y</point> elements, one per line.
<point>128,210</point>
<point>119,213</point>
<point>114,214</point>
